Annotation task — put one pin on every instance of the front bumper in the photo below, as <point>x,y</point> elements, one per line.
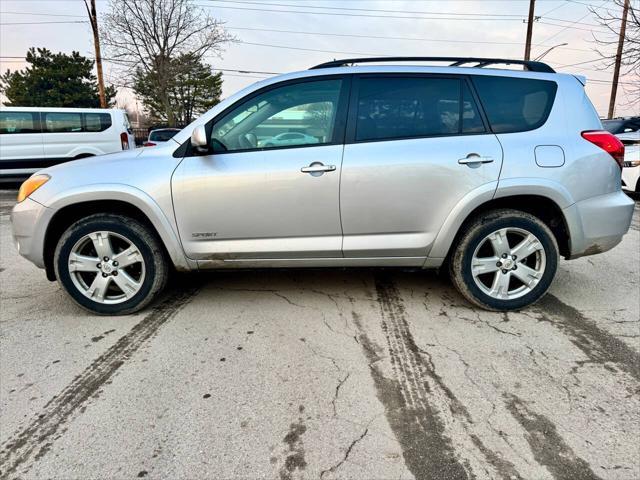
<point>29,221</point>
<point>598,223</point>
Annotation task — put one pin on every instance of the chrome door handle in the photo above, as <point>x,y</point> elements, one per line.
<point>317,167</point>
<point>474,158</point>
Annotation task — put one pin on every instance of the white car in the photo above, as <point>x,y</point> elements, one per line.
<point>34,138</point>
<point>288,138</point>
<point>159,136</point>
<point>631,169</point>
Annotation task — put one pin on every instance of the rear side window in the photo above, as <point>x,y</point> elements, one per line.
<point>515,104</point>
<point>18,122</point>
<point>62,122</point>
<point>395,107</point>
<point>96,122</point>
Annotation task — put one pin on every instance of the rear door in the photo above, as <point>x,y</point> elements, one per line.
<point>416,145</point>
<point>20,142</point>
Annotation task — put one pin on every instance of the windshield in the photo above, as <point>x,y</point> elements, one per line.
<point>621,125</point>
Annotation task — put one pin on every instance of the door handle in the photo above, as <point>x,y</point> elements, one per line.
<point>474,158</point>
<point>318,168</point>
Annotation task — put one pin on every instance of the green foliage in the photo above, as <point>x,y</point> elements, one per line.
<point>190,87</point>
<point>53,80</point>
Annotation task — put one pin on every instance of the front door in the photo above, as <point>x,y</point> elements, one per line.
<point>417,144</point>
<point>263,194</point>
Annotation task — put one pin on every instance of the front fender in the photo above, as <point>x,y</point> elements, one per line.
<point>132,196</point>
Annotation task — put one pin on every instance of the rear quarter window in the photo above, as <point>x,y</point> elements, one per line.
<point>515,104</point>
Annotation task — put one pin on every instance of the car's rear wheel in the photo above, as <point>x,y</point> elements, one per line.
<point>504,260</point>
<point>110,264</point>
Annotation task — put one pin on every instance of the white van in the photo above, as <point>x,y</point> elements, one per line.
<point>33,138</point>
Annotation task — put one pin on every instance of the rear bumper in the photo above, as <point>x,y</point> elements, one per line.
<point>28,221</point>
<point>599,223</point>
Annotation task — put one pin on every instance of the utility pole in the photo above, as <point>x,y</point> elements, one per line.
<point>616,70</point>
<point>93,18</point>
<point>527,46</point>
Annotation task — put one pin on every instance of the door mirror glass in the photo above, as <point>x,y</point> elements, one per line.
<point>199,140</point>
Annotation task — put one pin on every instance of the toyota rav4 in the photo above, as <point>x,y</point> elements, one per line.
<point>491,173</point>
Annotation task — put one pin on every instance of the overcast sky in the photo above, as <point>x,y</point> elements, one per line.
<point>287,35</point>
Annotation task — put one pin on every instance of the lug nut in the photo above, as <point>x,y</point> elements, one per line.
<point>504,271</point>
<point>105,275</point>
<point>504,255</point>
<point>99,265</point>
<point>515,267</point>
<point>115,264</point>
<point>106,259</point>
<point>514,257</point>
<point>115,273</point>
<point>498,264</point>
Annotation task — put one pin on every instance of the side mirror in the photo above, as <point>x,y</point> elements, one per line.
<point>199,140</point>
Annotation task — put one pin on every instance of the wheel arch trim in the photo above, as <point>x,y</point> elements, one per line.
<point>478,197</point>
<point>129,195</point>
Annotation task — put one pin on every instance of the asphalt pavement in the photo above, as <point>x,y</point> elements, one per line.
<point>323,374</point>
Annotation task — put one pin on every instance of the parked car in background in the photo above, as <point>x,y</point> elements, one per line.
<point>288,138</point>
<point>159,136</point>
<point>622,125</point>
<point>631,168</point>
<point>35,138</point>
<point>490,173</point>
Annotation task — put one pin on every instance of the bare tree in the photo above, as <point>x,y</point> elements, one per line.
<point>611,18</point>
<point>149,34</point>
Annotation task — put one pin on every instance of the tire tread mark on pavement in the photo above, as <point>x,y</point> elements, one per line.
<point>34,440</point>
<point>427,451</point>
<point>598,345</point>
<point>548,447</point>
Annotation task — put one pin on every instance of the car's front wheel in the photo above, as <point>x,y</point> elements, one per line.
<point>504,260</point>
<point>110,264</point>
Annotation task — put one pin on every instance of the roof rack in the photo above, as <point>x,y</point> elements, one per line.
<point>529,65</point>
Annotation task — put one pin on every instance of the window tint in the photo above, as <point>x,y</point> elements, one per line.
<point>407,107</point>
<point>515,104</point>
<point>18,122</point>
<point>96,122</point>
<point>307,108</point>
<point>62,122</point>
<point>471,120</point>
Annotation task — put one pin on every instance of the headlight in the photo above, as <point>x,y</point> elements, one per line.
<point>31,185</point>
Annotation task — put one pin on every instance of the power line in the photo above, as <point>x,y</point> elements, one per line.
<point>367,9</point>
<point>42,23</point>
<point>351,35</point>
<point>413,17</point>
<point>42,14</point>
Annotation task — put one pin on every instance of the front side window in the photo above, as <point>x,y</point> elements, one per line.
<point>515,104</point>
<point>62,122</point>
<point>289,116</point>
<point>396,107</point>
<point>18,122</point>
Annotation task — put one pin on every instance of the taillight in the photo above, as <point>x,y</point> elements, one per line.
<point>148,144</point>
<point>607,142</point>
<point>124,140</point>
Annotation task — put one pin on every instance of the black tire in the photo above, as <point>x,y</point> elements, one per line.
<point>146,241</point>
<point>475,232</point>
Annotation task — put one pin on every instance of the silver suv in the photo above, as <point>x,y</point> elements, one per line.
<point>489,172</point>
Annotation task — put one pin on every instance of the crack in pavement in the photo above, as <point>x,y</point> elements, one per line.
<point>346,454</point>
<point>335,396</point>
<point>34,441</point>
